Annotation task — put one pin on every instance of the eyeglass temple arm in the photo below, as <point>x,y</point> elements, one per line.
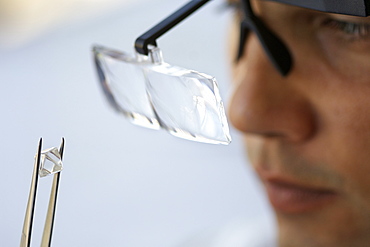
<point>276,50</point>
<point>149,37</point>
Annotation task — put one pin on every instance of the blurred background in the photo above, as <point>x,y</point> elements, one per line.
<point>122,185</point>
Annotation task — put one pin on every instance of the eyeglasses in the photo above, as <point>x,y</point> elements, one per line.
<point>186,103</point>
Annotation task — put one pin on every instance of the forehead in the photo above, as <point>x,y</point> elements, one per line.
<point>347,7</point>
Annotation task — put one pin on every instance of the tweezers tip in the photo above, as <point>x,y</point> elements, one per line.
<point>61,147</point>
<point>40,141</point>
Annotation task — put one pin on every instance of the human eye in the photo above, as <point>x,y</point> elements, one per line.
<point>350,31</point>
<point>344,43</point>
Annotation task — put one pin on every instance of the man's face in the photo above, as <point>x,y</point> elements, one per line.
<point>308,134</point>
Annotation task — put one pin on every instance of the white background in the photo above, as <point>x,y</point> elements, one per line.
<point>122,185</point>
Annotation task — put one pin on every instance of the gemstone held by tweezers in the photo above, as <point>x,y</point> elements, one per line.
<point>51,162</point>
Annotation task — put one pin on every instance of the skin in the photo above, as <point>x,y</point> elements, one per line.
<point>310,128</point>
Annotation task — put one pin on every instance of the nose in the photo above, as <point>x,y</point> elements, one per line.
<point>266,104</point>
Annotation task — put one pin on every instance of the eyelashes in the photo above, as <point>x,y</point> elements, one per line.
<point>355,31</point>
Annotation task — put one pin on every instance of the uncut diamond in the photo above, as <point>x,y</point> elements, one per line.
<point>51,162</point>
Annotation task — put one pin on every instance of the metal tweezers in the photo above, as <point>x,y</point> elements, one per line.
<point>28,219</point>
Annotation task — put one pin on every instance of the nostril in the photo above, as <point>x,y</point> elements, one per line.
<point>272,135</point>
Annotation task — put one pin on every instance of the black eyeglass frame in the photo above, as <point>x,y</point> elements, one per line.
<point>276,50</point>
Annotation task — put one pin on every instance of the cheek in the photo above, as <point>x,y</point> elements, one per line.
<point>345,134</point>
<point>350,59</point>
<point>355,143</point>
<point>348,117</point>
<point>254,147</point>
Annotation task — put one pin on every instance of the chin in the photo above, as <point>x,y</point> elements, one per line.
<point>331,226</point>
